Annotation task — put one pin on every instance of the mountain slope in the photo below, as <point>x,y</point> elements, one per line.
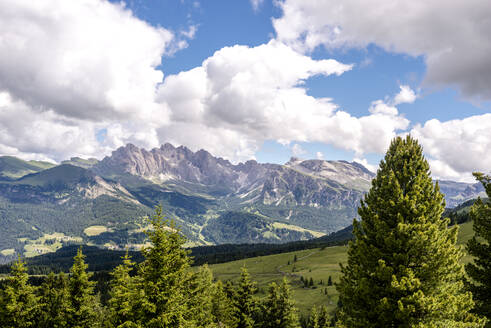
<point>13,168</point>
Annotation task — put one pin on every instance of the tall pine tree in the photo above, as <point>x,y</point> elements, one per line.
<point>246,307</point>
<point>124,296</point>
<point>18,302</point>
<point>165,275</point>
<point>403,266</point>
<point>200,289</point>
<point>84,307</point>
<point>54,301</point>
<point>480,247</point>
<point>279,308</point>
<point>222,308</point>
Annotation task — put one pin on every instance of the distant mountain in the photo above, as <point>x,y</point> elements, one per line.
<point>85,163</point>
<point>43,207</point>
<point>458,192</point>
<point>12,168</point>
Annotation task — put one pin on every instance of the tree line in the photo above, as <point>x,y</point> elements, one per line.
<point>403,270</point>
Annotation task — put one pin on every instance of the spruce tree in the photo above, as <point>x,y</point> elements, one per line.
<point>165,274</point>
<point>54,301</point>
<point>221,305</point>
<point>480,247</point>
<point>279,308</point>
<point>324,317</point>
<point>403,265</point>
<point>84,307</point>
<point>200,298</point>
<point>124,296</point>
<point>319,318</point>
<point>313,318</point>
<point>245,302</point>
<point>18,302</point>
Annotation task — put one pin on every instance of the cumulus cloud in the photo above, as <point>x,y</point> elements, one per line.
<point>69,69</point>
<point>87,59</point>
<point>319,155</point>
<point>406,95</point>
<point>44,136</point>
<point>458,147</point>
<point>255,94</point>
<point>455,53</point>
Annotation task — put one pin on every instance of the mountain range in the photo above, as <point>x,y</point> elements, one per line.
<point>44,206</point>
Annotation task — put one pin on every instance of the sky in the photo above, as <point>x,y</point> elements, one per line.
<point>248,79</point>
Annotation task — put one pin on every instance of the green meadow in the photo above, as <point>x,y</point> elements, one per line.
<point>317,264</point>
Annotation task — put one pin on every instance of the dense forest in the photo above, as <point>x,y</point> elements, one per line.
<point>403,270</point>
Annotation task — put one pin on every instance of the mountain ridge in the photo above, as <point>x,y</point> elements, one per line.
<point>209,197</point>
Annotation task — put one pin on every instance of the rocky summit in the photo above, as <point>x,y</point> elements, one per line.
<point>212,200</point>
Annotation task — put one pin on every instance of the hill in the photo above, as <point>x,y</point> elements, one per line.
<point>12,168</point>
<point>318,264</point>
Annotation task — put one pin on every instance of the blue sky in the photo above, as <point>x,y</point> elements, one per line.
<point>248,79</point>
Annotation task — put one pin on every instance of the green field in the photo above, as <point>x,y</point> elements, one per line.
<point>318,264</point>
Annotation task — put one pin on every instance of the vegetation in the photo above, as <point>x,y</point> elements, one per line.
<point>479,246</point>
<point>403,266</point>
<point>403,269</point>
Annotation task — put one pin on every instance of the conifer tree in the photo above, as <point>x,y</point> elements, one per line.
<point>324,317</point>
<point>84,309</point>
<point>480,247</point>
<point>245,302</point>
<point>54,301</point>
<point>124,296</point>
<point>319,318</point>
<point>279,308</point>
<point>164,276</point>
<point>403,266</point>
<point>18,302</point>
<point>201,295</point>
<point>313,318</point>
<point>222,308</point>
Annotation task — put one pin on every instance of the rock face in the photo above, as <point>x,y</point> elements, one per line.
<point>312,194</point>
<point>309,183</point>
<point>458,192</point>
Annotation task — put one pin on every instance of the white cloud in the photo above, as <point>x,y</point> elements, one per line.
<point>319,155</point>
<point>364,162</point>
<point>380,107</point>
<point>456,148</point>
<point>255,94</point>
<point>44,136</point>
<point>452,36</point>
<point>406,95</point>
<point>87,59</point>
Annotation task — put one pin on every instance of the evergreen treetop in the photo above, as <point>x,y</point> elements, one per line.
<point>403,265</point>
<point>83,311</point>
<point>164,275</point>
<point>279,308</point>
<point>18,302</point>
